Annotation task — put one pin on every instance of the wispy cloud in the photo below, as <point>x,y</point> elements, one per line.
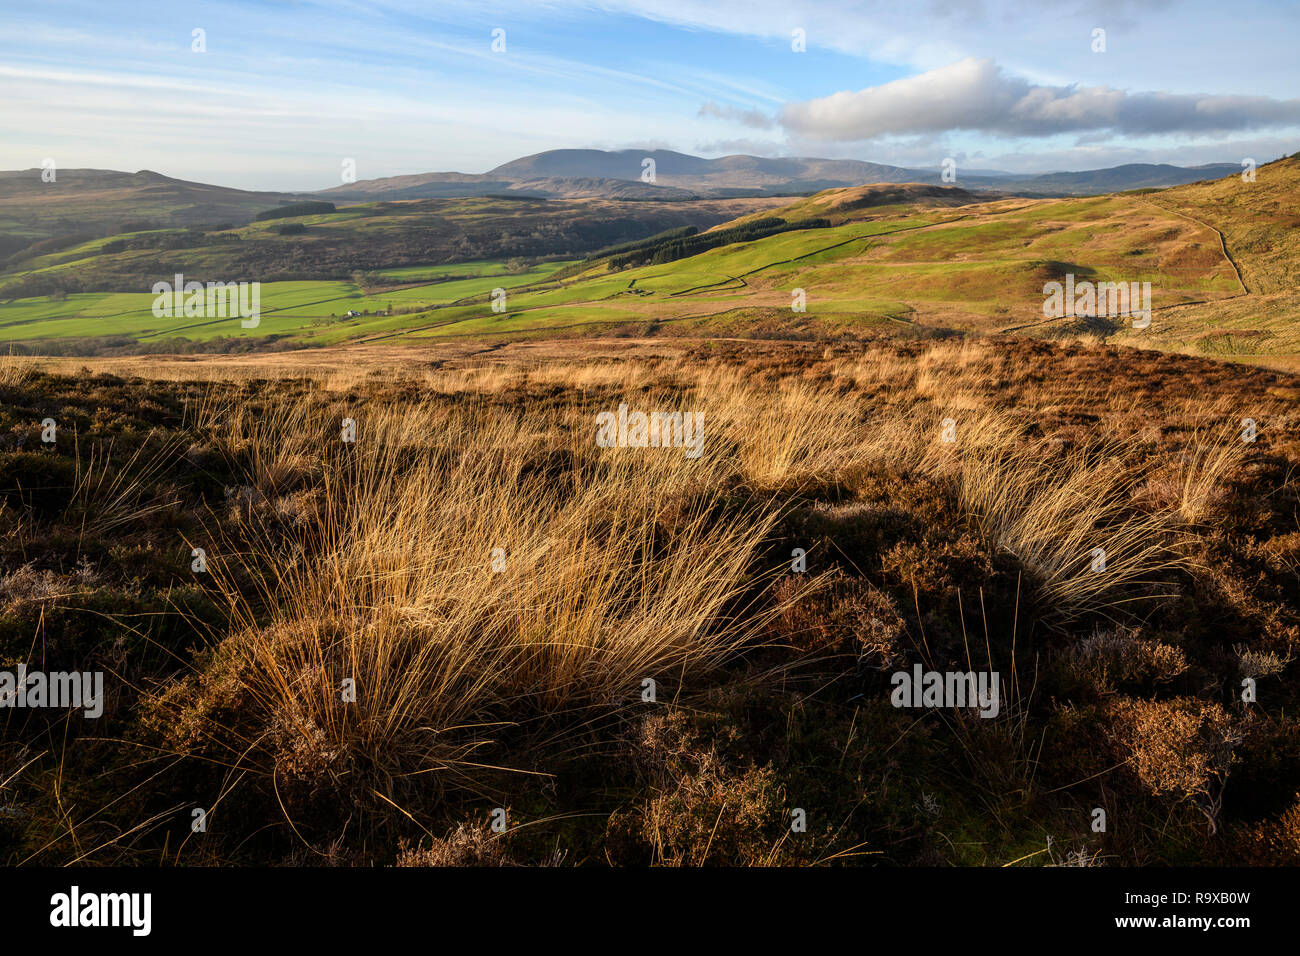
<point>751,118</point>
<point>287,89</point>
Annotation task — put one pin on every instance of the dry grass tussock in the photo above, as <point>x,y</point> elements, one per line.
<point>470,567</point>
<point>465,604</point>
<point>469,570</point>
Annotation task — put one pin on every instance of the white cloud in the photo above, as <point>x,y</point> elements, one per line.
<point>976,94</point>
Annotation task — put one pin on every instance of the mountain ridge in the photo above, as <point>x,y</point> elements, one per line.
<point>570,173</point>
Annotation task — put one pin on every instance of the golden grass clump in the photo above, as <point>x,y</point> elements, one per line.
<point>470,571</point>
<point>1073,523</point>
<point>473,576</point>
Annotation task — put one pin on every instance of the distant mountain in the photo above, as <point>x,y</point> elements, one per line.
<point>617,174</point>
<point>581,187</point>
<point>100,201</point>
<point>574,173</point>
<point>96,202</point>
<point>419,186</point>
<point>682,171</point>
<point>1119,178</point>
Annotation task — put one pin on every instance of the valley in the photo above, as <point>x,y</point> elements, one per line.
<point>928,260</point>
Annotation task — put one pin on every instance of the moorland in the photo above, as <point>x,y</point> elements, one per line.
<point>365,589</point>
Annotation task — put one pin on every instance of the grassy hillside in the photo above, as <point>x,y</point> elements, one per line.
<point>915,258</point>
<point>367,237</point>
<point>1259,223</point>
<point>863,203</point>
<point>100,201</point>
<point>924,264</point>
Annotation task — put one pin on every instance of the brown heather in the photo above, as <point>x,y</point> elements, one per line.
<point>373,563</point>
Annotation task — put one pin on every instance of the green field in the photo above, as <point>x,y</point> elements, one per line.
<point>949,263</point>
<point>972,267</point>
<point>311,310</point>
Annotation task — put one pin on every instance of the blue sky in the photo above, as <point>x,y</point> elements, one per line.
<point>289,89</point>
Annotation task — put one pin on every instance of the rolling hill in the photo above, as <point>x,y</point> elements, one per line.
<point>570,173</point>
<point>96,201</point>
<point>1120,178</point>
<point>918,259</point>
<point>935,263</point>
<point>359,238</point>
<point>38,217</point>
<point>684,171</point>
<point>1258,227</point>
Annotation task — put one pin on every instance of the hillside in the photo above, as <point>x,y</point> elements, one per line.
<point>580,187</point>
<point>979,267</point>
<point>389,259</point>
<point>359,238</point>
<point>1259,226</point>
<point>941,261</point>
<point>577,173</point>
<point>862,203</point>
<point>85,204</point>
<point>914,258</point>
<point>561,173</point>
<point>695,173</point>
<point>1260,220</point>
<point>94,201</point>
<point>418,186</point>
<point>1129,176</point>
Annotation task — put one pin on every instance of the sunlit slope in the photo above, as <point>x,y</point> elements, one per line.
<point>864,203</point>
<point>1259,223</point>
<point>371,238</point>
<point>1259,220</point>
<point>939,260</point>
<point>310,311</point>
<point>973,267</point>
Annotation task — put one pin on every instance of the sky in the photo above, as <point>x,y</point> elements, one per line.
<point>282,94</point>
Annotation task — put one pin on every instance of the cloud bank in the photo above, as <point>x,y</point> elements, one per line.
<point>976,94</point>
